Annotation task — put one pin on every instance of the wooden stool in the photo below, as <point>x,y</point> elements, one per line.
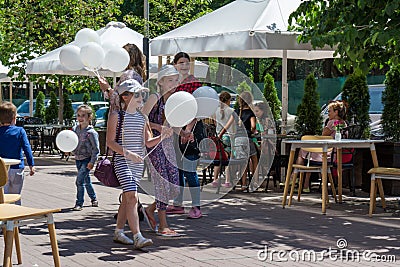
<point>377,174</point>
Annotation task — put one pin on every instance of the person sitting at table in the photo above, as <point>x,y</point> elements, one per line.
<point>13,142</point>
<point>337,111</point>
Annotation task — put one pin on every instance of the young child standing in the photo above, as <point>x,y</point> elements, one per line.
<point>128,147</point>
<point>13,142</point>
<point>85,155</point>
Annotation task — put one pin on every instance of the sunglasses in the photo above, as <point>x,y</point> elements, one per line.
<point>143,94</point>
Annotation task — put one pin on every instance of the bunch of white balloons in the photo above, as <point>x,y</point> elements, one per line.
<point>89,52</point>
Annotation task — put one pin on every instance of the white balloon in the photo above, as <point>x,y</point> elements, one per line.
<point>116,59</point>
<point>85,36</point>
<point>180,109</point>
<point>70,57</point>
<point>92,55</point>
<point>108,45</point>
<point>207,101</point>
<point>67,140</point>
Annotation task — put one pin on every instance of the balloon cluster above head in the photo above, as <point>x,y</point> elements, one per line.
<point>87,51</point>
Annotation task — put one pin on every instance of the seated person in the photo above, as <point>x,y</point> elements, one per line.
<point>337,114</point>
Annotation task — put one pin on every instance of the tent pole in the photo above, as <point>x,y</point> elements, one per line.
<point>284,92</point>
<point>114,80</point>
<point>11,83</point>
<point>30,99</point>
<point>159,62</point>
<point>1,93</point>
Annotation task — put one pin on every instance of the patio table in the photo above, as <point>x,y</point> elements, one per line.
<point>325,144</point>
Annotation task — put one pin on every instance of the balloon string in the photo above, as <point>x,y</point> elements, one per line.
<point>187,144</point>
<point>151,150</point>
<point>96,73</point>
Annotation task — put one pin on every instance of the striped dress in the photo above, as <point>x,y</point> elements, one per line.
<point>131,138</point>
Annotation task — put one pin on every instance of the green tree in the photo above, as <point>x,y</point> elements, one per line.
<point>309,119</point>
<point>86,98</point>
<point>391,101</point>
<point>51,113</point>
<point>68,111</point>
<point>271,95</point>
<point>355,92</point>
<point>365,33</point>
<point>40,108</point>
<point>30,28</point>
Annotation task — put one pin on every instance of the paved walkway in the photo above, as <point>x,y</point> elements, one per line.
<point>241,229</point>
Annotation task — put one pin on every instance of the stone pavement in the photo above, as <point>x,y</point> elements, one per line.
<point>241,229</point>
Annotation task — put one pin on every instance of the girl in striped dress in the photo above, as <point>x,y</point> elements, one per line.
<point>129,152</point>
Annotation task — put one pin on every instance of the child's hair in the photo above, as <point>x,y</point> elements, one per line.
<point>87,109</point>
<point>180,55</point>
<point>245,100</point>
<point>340,106</point>
<point>137,60</point>
<point>8,111</point>
<point>223,98</point>
<point>263,107</point>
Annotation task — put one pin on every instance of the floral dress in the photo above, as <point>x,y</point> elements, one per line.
<point>162,161</point>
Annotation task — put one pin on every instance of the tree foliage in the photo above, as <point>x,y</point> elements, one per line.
<point>355,92</point>
<point>366,33</point>
<point>68,111</point>
<point>40,108</point>
<point>271,95</point>
<point>391,101</point>
<point>51,113</point>
<point>31,28</point>
<point>309,119</point>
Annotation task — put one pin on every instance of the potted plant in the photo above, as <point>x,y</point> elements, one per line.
<point>51,112</point>
<point>68,111</point>
<point>40,106</point>
<point>355,93</point>
<point>271,95</point>
<point>309,119</point>
<point>389,151</point>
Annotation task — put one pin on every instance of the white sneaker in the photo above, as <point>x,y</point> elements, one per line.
<point>120,237</point>
<point>141,242</point>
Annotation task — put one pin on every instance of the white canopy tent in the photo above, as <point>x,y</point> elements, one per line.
<point>243,28</point>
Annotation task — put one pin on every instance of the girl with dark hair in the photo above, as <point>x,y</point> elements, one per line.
<point>188,163</point>
<point>136,69</point>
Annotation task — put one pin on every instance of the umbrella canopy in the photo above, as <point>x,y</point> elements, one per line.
<point>243,28</point>
<point>115,32</point>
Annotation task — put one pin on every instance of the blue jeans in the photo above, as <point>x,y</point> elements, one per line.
<point>82,181</point>
<point>192,180</point>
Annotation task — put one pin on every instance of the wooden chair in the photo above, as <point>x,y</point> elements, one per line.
<point>377,174</point>
<point>12,216</point>
<point>297,168</point>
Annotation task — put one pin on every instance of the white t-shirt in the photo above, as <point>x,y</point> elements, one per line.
<point>221,122</point>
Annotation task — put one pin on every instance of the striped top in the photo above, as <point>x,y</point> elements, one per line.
<point>131,138</point>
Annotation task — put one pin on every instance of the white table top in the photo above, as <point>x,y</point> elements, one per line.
<point>11,161</point>
<point>349,143</point>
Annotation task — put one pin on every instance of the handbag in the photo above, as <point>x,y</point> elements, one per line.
<point>104,171</point>
<point>217,150</point>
